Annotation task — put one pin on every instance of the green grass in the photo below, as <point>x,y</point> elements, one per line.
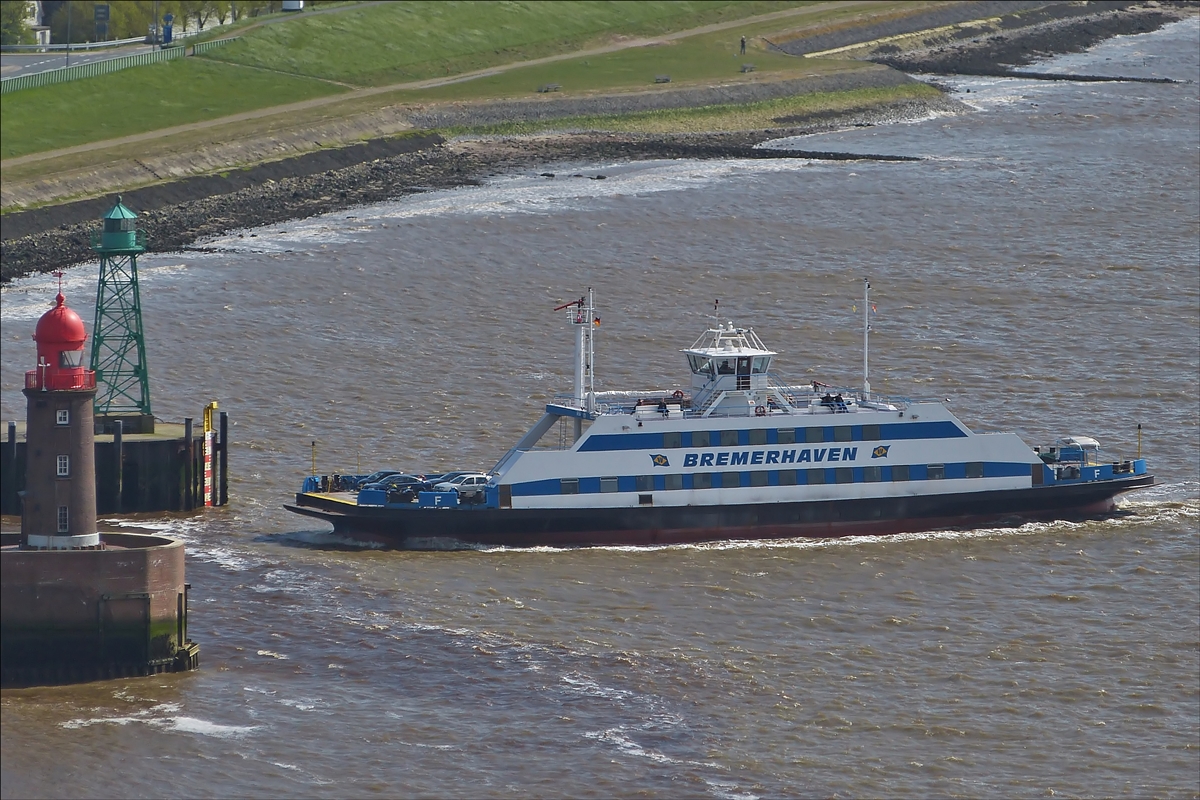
<point>705,119</point>
<point>141,99</point>
<point>399,42</point>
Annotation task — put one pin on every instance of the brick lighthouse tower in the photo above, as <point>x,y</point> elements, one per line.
<point>59,512</point>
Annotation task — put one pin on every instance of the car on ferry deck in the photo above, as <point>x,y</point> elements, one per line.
<point>468,484</point>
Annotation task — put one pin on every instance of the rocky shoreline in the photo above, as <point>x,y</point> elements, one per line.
<point>177,215</point>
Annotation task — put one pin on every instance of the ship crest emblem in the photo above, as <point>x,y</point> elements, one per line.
<point>880,451</point>
<point>659,460</point>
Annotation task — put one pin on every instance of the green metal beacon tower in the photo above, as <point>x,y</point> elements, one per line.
<point>118,344</point>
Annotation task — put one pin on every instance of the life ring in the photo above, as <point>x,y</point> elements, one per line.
<point>677,394</point>
<point>760,411</point>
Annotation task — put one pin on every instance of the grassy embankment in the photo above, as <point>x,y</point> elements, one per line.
<point>330,58</point>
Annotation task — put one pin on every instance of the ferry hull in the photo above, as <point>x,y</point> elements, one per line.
<point>433,528</point>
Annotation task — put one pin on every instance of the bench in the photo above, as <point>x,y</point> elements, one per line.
<point>549,87</point>
<point>662,78</point>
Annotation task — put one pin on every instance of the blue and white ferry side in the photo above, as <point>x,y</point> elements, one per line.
<point>738,454</point>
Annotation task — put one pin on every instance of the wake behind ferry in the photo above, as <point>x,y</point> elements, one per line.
<point>734,454</point>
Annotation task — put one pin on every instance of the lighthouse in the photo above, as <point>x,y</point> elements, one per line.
<point>59,509</point>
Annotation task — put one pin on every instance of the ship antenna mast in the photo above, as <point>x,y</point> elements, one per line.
<point>866,335</point>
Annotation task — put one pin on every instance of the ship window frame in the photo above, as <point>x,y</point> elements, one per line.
<point>757,435</point>
<point>872,474</point>
<point>729,439</point>
<point>701,439</point>
<point>62,416</point>
<point>568,486</point>
<point>819,474</point>
<point>814,435</point>
<point>702,480</point>
<point>759,478</point>
<point>974,469</point>
<point>609,484</point>
<point>760,365</point>
<point>935,472</point>
<point>785,435</point>
<point>644,483</point>
<point>901,473</point>
<point>673,481</point>
<point>731,480</point>
<point>787,477</point>
<point>702,365</point>
<point>842,433</point>
<point>870,433</point>
<point>843,475</point>
<point>672,439</point>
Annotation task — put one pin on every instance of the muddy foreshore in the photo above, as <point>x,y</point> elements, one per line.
<point>180,214</point>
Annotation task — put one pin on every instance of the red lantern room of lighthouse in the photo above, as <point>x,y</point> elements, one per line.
<point>58,511</point>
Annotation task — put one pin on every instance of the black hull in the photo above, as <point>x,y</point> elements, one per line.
<point>415,528</point>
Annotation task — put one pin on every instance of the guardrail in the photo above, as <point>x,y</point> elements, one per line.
<point>58,48</point>
<point>65,74</point>
<point>201,47</point>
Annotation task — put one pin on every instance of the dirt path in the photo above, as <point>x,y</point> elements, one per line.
<point>424,84</point>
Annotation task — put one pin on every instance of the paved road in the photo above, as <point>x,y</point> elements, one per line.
<point>14,64</point>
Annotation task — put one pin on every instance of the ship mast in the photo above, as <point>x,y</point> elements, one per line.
<point>866,335</point>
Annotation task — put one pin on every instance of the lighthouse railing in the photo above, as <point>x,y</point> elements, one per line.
<point>58,381</point>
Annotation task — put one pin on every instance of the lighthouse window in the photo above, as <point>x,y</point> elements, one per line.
<point>70,358</point>
<point>63,520</point>
<point>64,466</point>
<point>63,416</point>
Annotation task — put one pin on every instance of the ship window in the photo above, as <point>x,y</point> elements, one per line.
<point>725,368</point>
<point>841,433</point>
<point>729,438</point>
<point>64,466</point>
<point>786,435</point>
<point>673,439</point>
<point>974,469</point>
<point>787,477</point>
<point>935,472</point>
<point>702,480</point>
<point>64,520</point>
<point>701,365</point>
<point>758,436</point>
<point>63,417</point>
<point>700,438</point>
<point>758,479</point>
<point>673,481</point>
<point>70,358</point>
<point>761,364</point>
<point>844,475</point>
<point>872,474</point>
<point>731,480</point>
<point>608,484</point>
<point>812,435</point>
<point>645,483</point>
<point>645,499</point>
<point>569,486</point>
<point>870,433</point>
<point>900,472</point>
<point>815,476</point>
<point>743,365</point>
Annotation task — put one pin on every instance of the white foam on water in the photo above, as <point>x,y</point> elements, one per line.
<point>180,724</point>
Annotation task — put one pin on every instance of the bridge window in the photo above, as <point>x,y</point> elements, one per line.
<point>761,364</point>
<point>701,365</point>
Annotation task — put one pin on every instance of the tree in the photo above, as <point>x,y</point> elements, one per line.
<point>14,24</point>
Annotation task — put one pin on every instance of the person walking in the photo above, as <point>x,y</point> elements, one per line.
<point>743,45</point>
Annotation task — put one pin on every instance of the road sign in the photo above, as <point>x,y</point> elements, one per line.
<point>100,12</point>
<point>101,29</point>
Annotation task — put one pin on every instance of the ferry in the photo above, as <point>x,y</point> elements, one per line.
<point>736,453</point>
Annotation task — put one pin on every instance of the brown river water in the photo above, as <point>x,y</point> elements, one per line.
<point>1040,270</point>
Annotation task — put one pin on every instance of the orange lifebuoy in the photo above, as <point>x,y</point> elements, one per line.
<point>760,411</point>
